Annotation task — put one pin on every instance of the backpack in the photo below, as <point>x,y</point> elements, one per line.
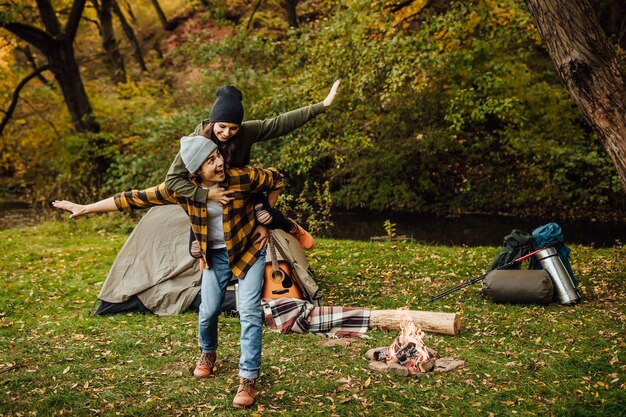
<point>516,244</point>
<point>551,234</point>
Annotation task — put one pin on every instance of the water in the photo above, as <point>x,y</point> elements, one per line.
<point>361,225</point>
<point>470,230</point>
<point>18,214</point>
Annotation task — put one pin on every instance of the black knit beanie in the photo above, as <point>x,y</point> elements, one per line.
<point>227,107</point>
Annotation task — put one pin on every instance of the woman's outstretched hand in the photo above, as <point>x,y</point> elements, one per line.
<point>76,209</point>
<point>331,96</point>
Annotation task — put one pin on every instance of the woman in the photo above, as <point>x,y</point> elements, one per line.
<point>225,239</point>
<point>235,138</point>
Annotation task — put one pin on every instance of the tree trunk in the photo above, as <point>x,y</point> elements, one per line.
<point>65,69</point>
<point>161,15</point>
<point>589,68</point>
<point>129,10</point>
<point>130,35</point>
<point>292,15</point>
<point>109,43</point>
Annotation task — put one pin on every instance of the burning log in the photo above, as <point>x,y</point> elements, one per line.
<point>408,355</point>
<point>428,321</point>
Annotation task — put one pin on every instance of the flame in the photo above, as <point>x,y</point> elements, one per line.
<point>412,336</point>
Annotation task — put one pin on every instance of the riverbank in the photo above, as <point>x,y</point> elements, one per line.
<point>526,360</point>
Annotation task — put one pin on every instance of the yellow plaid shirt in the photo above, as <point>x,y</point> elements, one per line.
<point>239,218</point>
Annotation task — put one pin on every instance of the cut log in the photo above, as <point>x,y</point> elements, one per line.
<point>428,321</point>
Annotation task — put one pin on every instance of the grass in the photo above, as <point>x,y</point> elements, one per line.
<point>521,360</point>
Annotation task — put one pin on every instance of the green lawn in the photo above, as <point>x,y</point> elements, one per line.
<point>520,360</point>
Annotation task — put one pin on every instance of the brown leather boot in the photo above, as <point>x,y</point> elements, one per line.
<point>206,365</point>
<point>245,393</point>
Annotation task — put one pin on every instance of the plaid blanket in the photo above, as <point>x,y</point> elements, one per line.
<point>299,316</point>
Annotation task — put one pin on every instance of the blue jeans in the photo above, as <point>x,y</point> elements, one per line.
<point>214,282</point>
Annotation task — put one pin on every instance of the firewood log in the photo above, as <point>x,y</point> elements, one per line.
<point>428,321</point>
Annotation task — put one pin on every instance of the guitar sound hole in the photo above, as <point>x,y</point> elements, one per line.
<point>282,277</point>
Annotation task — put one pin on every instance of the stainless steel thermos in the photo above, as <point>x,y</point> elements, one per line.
<point>563,284</point>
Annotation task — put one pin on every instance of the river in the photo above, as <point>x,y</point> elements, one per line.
<point>470,230</point>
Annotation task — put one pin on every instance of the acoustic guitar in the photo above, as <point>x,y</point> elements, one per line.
<point>278,279</point>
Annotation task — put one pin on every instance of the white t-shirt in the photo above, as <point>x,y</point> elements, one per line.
<point>215,225</point>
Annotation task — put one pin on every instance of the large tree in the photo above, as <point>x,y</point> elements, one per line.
<point>589,67</point>
<point>56,43</point>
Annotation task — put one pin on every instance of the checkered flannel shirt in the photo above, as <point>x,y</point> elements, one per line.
<point>239,218</point>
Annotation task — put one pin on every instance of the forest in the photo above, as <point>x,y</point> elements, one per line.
<point>445,107</point>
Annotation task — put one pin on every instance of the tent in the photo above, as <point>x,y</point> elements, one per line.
<point>154,273</point>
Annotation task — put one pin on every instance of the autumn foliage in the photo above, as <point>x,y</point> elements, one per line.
<point>444,107</point>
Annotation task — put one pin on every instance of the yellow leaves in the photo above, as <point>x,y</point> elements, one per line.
<point>405,16</point>
<point>6,54</point>
<point>473,20</point>
<point>131,140</point>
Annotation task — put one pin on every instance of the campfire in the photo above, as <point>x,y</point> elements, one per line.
<point>408,355</point>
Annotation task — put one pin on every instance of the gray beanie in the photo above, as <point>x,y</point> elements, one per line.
<point>227,106</point>
<point>194,150</point>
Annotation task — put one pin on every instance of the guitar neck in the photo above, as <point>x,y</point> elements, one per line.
<point>273,253</point>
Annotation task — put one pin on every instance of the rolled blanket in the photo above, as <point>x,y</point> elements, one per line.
<point>299,316</point>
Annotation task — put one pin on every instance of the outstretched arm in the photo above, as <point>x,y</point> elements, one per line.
<point>78,210</point>
<point>127,201</point>
<point>287,122</point>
